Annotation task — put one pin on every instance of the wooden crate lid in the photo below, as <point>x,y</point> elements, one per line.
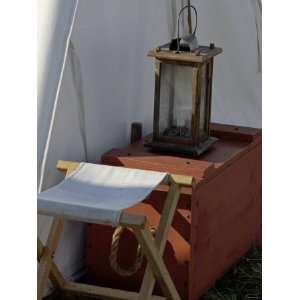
<point>234,141</point>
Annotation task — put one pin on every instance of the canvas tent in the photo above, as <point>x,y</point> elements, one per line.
<point>94,79</point>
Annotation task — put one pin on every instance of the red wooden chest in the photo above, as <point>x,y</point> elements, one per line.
<point>215,223</point>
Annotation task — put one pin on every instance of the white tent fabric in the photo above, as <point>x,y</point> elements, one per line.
<point>111,39</point>
<point>55,24</point>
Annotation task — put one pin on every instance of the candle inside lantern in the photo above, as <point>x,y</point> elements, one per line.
<point>175,101</point>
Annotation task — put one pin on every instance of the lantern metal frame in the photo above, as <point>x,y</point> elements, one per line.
<point>202,57</point>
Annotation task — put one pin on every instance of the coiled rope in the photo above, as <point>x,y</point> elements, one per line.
<point>113,258</point>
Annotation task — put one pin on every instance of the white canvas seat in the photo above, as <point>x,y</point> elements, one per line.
<point>98,193</point>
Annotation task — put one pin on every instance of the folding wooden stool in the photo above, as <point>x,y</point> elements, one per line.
<point>152,248</point>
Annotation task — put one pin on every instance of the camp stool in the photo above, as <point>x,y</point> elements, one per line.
<point>56,202</point>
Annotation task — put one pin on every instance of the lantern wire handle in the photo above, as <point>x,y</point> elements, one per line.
<point>178,20</point>
<point>189,16</point>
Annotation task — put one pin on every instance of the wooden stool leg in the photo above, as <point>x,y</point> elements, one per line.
<point>161,238</point>
<point>47,255</point>
<point>55,275</point>
<point>157,264</point>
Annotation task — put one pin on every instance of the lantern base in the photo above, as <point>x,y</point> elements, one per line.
<point>180,148</point>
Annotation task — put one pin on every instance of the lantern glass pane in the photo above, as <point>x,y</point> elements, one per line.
<point>175,101</point>
<point>203,102</point>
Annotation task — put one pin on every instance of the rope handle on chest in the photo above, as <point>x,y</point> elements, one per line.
<point>113,258</point>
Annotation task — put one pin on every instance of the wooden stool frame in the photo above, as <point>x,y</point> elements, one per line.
<point>152,248</point>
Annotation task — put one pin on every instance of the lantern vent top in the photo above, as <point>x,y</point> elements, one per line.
<point>197,56</point>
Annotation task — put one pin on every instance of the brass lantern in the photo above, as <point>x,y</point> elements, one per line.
<point>182,98</point>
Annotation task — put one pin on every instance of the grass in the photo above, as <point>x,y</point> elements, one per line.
<point>243,282</point>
